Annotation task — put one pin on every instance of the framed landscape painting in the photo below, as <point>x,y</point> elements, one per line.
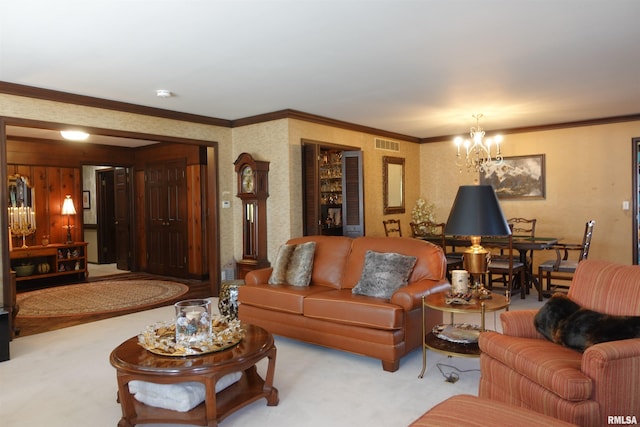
<point>518,177</point>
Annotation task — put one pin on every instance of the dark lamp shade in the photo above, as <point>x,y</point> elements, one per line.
<point>476,212</point>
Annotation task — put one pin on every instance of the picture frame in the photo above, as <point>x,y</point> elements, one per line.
<point>517,177</point>
<point>86,200</point>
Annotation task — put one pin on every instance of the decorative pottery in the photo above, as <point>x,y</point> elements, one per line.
<point>43,268</point>
<point>228,298</point>
<point>24,270</point>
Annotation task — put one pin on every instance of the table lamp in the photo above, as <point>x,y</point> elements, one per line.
<point>68,209</point>
<point>475,213</point>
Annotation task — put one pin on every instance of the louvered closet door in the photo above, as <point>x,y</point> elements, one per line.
<point>352,194</point>
<point>311,189</point>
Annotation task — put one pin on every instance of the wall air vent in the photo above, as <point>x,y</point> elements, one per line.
<point>385,144</point>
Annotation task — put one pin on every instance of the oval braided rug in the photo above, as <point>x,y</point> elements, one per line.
<point>98,297</point>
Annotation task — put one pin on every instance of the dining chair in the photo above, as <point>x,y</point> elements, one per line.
<point>562,263</point>
<point>506,265</point>
<point>434,232</point>
<point>519,227</point>
<point>392,227</point>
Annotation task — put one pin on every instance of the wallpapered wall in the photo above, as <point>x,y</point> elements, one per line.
<point>588,172</point>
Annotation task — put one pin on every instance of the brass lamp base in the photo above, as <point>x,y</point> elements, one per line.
<point>476,258</point>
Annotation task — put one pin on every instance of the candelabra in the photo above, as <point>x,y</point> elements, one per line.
<point>22,222</point>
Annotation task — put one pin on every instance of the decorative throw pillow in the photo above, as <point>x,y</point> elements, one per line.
<point>294,265</point>
<point>384,273</point>
<point>565,322</point>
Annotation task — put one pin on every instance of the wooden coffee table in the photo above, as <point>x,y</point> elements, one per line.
<point>133,362</point>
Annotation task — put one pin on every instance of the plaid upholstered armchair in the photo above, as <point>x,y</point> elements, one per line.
<point>522,368</point>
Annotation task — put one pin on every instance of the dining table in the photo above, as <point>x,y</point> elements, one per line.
<point>524,245</point>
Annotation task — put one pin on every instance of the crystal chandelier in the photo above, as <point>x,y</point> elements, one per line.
<point>478,155</point>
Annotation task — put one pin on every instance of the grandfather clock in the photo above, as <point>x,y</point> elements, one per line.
<point>253,190</point>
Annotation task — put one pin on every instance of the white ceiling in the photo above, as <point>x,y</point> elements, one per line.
<point>419,68</point>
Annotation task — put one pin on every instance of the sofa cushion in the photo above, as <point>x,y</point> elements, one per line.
<point>330,259</point>
<point>294,264</point>
<point>277,297</point>
<point>384,273</point>
<point>607,287</point>
<point>556,368</point>
<point>343,306</point>
<point>465,410</point>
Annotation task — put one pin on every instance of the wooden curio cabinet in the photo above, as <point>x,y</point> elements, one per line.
<point>333,190</point>
<point>253,191</point>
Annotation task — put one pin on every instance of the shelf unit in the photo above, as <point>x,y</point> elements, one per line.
<point>436,301</point>
<point>331,191</point>
<point>62,259</point>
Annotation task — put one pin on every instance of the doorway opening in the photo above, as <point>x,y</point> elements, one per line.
<point>106,217</point>
<point>38,131</point>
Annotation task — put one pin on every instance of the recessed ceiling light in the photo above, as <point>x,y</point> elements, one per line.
<point>74,135</point>
<point>163,93</point>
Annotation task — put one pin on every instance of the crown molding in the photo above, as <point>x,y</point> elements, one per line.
<point>554,126</point>
<point>312,118</point>
<point>89,101</point>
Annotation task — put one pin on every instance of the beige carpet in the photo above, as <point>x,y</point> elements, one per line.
<point>98,297</point>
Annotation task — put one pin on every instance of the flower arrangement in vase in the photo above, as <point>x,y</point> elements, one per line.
<point>423,212</point>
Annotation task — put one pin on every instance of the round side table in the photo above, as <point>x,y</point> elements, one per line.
<point>228,298</point>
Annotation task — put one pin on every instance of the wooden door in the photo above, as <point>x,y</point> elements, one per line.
<point>122,218</point>
<point>105,216</point>
<point>166,195</point>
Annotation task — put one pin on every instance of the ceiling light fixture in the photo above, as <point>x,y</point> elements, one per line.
<point>74,135</point>
<point>163,93</point>
<point>478,150</point>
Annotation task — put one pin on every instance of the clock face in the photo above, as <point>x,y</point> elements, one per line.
<point>247,180</point>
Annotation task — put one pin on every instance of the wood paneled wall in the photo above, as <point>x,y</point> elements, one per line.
<point>51,185</point>
<point>54,170</point>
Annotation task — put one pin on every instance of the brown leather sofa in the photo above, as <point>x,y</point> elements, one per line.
<point>327,313</point>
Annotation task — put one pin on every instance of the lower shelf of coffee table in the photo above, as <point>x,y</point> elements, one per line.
<point>451,348</point>
<point>247,390</point>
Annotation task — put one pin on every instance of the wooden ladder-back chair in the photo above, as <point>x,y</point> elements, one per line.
<point>434,232</point>
<point>392,227</point>
<point>508,266</point>
<point>562,263</point>
<point>522,227</point>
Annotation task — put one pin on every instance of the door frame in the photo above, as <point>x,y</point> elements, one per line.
<point>635,172</point>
